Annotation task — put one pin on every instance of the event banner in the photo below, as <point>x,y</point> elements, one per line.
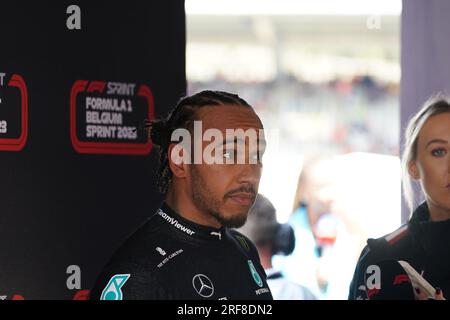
<point>78,173</point>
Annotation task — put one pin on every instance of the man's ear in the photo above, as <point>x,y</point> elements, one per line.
<point>413,170</point>
<point>178,159</point>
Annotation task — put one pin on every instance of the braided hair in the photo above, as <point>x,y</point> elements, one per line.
<point>183,116</point>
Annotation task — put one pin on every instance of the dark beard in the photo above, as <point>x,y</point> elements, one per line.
<point>230,222</point>
<point>205,200</point>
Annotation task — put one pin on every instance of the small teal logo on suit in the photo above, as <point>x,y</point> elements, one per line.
<point>113,290</point>
<point>255,274</point>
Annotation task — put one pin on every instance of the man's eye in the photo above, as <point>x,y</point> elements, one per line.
<point>440,152</point>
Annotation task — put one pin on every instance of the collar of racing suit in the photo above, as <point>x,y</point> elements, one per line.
<point>173,219</point>
<point>433,237</point>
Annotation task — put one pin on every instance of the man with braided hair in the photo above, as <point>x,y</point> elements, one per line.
<point>188,249</point>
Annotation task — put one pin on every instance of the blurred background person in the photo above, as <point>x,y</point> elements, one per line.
<point>270,238</point>
<point>302,266</point>
<point>332,217</point>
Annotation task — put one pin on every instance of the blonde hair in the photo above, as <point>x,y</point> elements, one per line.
<point>436,104</point>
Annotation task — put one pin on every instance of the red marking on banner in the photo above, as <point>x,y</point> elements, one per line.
<point>8,144</point>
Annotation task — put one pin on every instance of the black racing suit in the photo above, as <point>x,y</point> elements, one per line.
<point>424,244</point>
<point>170,257</point>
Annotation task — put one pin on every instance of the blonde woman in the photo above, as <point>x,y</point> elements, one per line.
<point>423,244</point>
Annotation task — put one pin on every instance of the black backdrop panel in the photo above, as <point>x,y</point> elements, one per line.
<point>65,203</point>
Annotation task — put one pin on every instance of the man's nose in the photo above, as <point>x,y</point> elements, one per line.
<point>249,173</point>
